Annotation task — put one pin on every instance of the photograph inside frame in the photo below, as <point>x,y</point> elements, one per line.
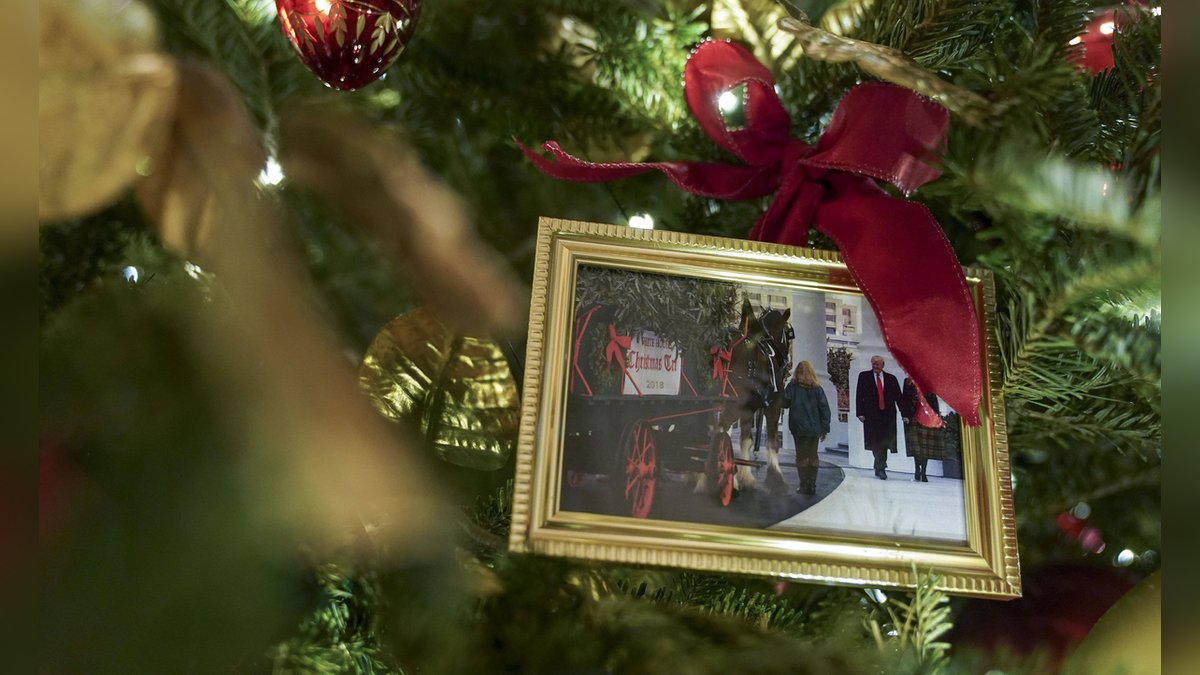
<point>724,403</point>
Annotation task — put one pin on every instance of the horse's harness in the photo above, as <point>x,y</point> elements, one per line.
<point>778,362</point>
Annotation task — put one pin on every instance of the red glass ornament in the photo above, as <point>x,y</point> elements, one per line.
<point>1094,50</point>
<point>348,43</point>
<point>1069,525</point>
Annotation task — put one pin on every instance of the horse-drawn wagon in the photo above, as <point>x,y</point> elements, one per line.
<point>656,390</point>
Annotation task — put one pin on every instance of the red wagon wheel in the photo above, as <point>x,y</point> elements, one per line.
<point>638,463</point>
<point>720,467</point>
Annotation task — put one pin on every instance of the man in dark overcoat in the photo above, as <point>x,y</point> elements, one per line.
<point>875,406</point>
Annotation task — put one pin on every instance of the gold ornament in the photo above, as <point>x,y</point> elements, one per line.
<point>1128,638</point>
<point>459,391</point>
<point>846,16</point>
<point>318,455</point>
<point>105,101</point>
<point>203,177</point>
<point>755,23</point>
<point>888,64</point>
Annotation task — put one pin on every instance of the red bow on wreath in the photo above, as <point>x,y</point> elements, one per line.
<point>894,249</point>
<point>615,349</point>
<point>721,362</point>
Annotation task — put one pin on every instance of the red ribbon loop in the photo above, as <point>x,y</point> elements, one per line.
<point>617,344</point>
<point>894,249</point>
<point>721,361</point>
<point>615,350</point>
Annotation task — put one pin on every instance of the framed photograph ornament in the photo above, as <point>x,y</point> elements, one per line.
<point>733,406</point>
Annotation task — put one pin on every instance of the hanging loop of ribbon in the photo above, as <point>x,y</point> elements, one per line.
<point>893,248</point>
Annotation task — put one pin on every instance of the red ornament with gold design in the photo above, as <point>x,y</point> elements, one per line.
<point>348,43</point>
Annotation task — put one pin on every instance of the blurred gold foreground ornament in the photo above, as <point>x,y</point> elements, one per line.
<point>106,97</point>
<point>320,459</point>
<point>1128,638</point>
<point>458,391</point>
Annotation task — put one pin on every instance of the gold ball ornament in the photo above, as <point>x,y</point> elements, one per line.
<point>106,97</point>
<point>846,16</point>
<point>457,390</point>
<point>1128,638</point>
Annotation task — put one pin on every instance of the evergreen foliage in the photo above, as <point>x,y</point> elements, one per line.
<point>695,314</point>
<point>916,625</point>
<point>1057,192</point>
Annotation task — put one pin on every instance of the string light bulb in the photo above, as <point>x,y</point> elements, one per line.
<point>272,173</point>
<point>728,102</point>
<point>642,221</point>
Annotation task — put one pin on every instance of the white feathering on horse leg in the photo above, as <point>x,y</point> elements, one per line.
<point>743,479</point>
<point>773,460</point>
<point>701,483</point>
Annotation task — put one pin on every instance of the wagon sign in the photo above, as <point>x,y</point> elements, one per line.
<point>654,367</point>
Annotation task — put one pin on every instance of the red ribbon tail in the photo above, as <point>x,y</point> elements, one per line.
<point>903,263</point>
<point>718,181</point>
<point>567,167</point>
<point>926,415</point>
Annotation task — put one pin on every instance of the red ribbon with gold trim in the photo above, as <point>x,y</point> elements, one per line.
<point>895,250</point>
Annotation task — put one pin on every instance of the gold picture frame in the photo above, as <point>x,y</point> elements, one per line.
<point>854,530</point>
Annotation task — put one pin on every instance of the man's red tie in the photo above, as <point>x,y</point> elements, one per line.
<point>879,386</point>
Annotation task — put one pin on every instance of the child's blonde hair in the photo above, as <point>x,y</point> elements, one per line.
<point>805,376</point>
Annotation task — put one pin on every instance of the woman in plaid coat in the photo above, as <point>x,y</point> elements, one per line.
<point>922,443</point>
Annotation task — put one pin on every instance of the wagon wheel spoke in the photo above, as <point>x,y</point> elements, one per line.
<point>639,470</point>
<point>725,468</point>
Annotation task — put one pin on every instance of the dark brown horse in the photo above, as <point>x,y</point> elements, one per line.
<point>760,362</point>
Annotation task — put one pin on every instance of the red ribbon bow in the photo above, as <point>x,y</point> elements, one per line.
<point>894,249</point>
<point>721,361</point>
<point>617,344</point>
